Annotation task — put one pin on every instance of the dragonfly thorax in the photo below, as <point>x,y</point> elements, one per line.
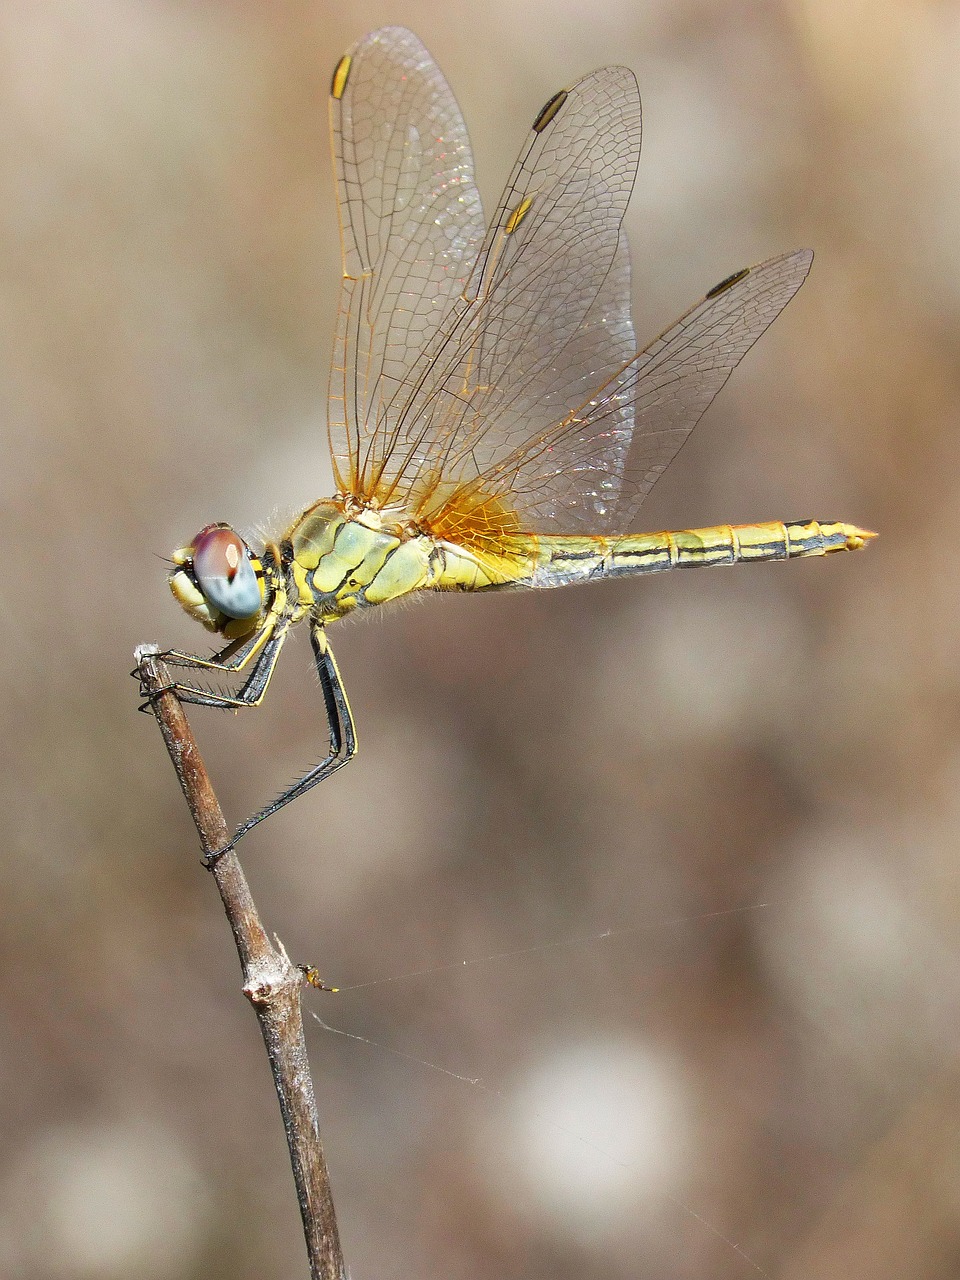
<point>343,559</point>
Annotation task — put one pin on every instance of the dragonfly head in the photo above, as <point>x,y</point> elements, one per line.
<point>219,581</point>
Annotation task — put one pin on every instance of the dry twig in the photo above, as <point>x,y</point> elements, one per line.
<point>270,981</point>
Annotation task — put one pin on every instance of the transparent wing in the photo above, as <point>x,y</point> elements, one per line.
<point>483,389</point>
<point>587,479</point>
<point>669,386</point>
<point>411,225</point>
<point>543,318</point>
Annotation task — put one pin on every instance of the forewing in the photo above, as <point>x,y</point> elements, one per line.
<point>411,224</point>
<point>669,386</point>
<point>544,317</point>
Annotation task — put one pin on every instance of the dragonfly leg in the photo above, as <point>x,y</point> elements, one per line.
<point>231,658</point>
<point>266,646</point>
<point>343,737</point>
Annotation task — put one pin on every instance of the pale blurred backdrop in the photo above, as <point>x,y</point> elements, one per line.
<point>748,778</point>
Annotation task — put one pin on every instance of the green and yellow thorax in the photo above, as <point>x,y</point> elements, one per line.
<point>343,556</point>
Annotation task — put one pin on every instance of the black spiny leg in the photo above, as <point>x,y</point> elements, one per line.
<point>250,694</point>
<point>232,657</point>
<point>343,738</point>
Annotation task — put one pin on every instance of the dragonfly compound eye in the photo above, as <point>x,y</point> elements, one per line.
<point>217,578</point>
<point>224,572</point>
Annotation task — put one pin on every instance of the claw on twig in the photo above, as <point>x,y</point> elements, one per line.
<point>210,860</point>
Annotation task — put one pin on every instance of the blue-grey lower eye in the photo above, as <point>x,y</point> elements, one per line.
<point>237,597</point>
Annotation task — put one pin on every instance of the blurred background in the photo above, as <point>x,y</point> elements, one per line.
<point>672,862</point>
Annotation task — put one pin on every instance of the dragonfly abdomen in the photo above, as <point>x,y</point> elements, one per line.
<point>561,560</point>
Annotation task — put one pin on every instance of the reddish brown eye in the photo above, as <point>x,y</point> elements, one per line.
<point>221,565</point>
<point>217,552</point>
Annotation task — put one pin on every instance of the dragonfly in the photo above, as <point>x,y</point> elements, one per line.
<point>492,422</point>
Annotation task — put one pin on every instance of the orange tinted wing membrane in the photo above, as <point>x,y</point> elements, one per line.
<point>410,224</point>
<point>544,318</point>
<point>669,386</point>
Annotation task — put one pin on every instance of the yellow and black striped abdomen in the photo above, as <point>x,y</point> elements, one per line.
<point>562,560</point>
